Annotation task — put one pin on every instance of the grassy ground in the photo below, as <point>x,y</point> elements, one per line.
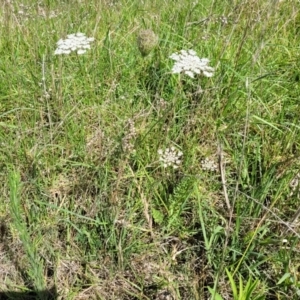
<point>86,206</point>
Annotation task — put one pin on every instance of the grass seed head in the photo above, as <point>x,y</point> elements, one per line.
<point>147,40</point>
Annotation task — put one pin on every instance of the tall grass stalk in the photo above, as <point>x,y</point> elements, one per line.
<point>35,267</point>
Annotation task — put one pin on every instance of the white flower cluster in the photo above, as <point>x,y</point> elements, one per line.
<point>171,157</point>
<point>209,165</point>
<point>74,42</point>
<point>294,184</point>
<point>189,63</point>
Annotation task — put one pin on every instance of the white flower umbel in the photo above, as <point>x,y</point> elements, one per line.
<point>74,42</point>
<point>187,62</point>
<point>171,157</point>
<point>209,165</point>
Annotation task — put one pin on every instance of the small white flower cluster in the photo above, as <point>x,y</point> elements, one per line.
<point>171,157</point>
<point>209,165</point>
<point>74,42</point>
<point>189,63</point>
<point>294,184</point>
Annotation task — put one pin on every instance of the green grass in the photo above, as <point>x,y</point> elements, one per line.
<point>86,206</point>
